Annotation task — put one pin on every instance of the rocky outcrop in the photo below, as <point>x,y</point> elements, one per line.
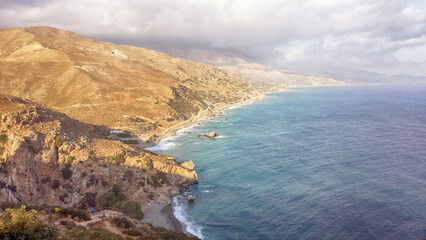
<point>49,158</point>
<point>190,198</point>
<point>187,164</point>
<point>209,135</point>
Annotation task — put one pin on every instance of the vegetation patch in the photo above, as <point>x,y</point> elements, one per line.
<point>3,139</point>
<point>130,141</point>
<point>124,134</point>
<point>66,171</point>
<point>18,223</point>
<point>55,184</point>
<point>122,222</point>
<point>114,198</point>
<point>118,158</point>
<point>58,142</point>
<point>73,212</point>
<point>45,179</point>
<point>70,159</point>
<point>133,232</point>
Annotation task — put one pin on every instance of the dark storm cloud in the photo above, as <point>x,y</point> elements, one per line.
<point>366,34</point>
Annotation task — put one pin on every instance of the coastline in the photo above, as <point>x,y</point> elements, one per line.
<point>201,116</point>
<point>161,215</point>
<point>164,215</point>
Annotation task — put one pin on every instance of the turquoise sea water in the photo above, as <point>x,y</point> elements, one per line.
<point>314,163</point>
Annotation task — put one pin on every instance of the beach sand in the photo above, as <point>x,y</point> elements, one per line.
<point>161,215</point>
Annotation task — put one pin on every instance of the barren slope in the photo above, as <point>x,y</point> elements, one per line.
<point>98,82</point>
<point>37,144</point>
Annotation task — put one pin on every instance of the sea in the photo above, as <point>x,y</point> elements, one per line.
<point>313,163</point>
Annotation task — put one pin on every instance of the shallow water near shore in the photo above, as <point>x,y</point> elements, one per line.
<point>314,163</point>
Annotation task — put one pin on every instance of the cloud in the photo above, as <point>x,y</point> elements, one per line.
<point>340,33</point>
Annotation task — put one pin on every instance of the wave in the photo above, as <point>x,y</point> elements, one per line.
<point>181,215</point>
<point>165,144</point>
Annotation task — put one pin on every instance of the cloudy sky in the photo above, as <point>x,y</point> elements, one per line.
<point>382,35</point>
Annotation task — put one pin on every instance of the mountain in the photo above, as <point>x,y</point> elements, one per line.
<point>122,87</point>
<point>254,72</point>
<point>356,76</point>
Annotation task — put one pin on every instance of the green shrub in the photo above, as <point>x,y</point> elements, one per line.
<point>114,198</point>
<point>89,200</point>
<point>125,134</point>
<point>3,139</point>
<point>163,178</point>
<point>104,183</point>
<point>58,142</point>
<point>130,208</point>
<point>118,158</point>
<point>66,172</point>
<point>55,184</point>
<point>22,224</point>
<point>70,159</point>
<point>75,213</point>
<point>45,179</point>
<point>154,182</point>
<point>1,150</point>
<point>170,119</point>
<point>132,232</point>
<point>110,198</point>
<point>122,222</point>
<point>130,141</point>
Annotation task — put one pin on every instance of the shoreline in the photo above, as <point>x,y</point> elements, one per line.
<point>162,215</point>
<point>201,116</point>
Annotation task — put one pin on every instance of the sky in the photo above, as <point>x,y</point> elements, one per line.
<point>387,36</point>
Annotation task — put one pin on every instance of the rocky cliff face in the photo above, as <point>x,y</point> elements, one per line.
<point>49,158</point>
<point>136,89</point>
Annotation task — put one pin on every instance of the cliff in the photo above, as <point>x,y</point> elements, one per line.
<point>122,87</point>
<point>48,158</point>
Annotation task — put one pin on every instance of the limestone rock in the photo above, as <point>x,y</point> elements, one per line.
<point>187,164</point>
<point>32,169</point>
<point>209,135</point>
<point>190,198</point>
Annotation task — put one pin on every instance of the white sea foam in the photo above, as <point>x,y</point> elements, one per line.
<point>165,144</point>
<point>181,215</point>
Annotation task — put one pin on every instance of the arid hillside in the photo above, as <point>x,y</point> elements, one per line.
<point>122,87</point>
<point>48,158</point>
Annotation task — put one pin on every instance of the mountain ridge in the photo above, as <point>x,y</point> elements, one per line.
<point>136,89</point>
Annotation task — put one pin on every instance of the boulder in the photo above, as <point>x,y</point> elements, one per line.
<point>191,198</point>
<point>209,135</point>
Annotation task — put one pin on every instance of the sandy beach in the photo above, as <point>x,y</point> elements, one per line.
<point>161,215</point>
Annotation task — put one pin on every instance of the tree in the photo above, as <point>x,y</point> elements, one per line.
<point>18,223</point>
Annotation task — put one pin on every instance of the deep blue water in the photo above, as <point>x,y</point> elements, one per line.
<point>314,163</point>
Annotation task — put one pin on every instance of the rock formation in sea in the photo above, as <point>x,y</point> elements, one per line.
<point>209,135</point>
